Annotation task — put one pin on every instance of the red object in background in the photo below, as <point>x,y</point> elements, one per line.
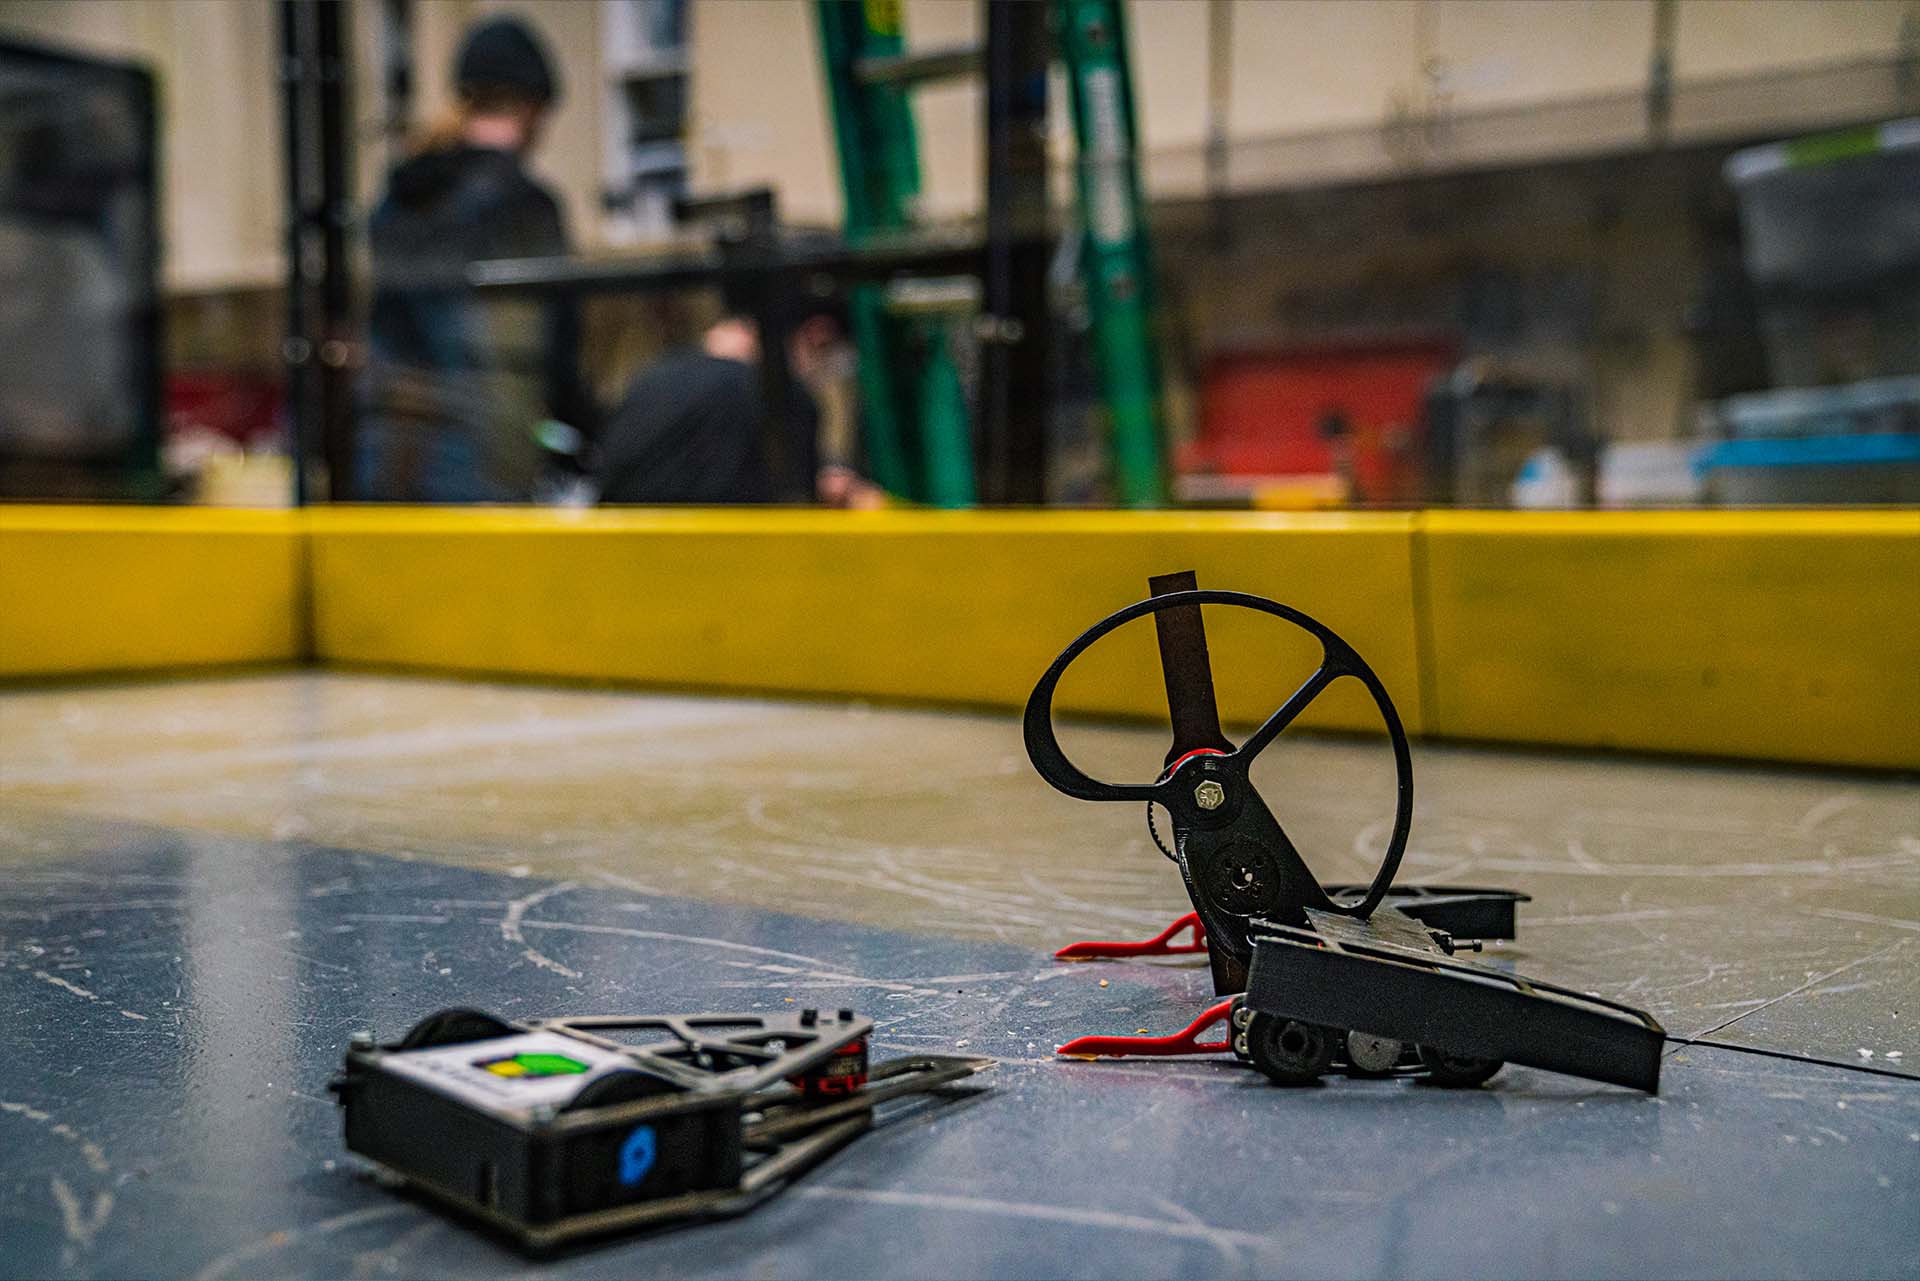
<point>1264,413</point>
<point>242,407</point>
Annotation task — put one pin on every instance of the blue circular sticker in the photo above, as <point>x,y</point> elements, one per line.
<point>636,1155</point>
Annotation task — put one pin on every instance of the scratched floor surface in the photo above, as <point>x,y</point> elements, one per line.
<point>206,885</point>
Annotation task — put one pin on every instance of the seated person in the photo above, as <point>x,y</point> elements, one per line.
<point>691,428</point>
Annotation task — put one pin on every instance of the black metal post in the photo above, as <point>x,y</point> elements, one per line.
<point>335,217</point>
<point>318,348</point>
<point>1016,320</point>
<point>148,316</point>
<point>297,348</point>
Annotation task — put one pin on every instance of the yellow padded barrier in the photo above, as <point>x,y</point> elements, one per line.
<point>1776,635</point>
<point>111,589</point>
<point>963,607</point>
<point>1782,635</point>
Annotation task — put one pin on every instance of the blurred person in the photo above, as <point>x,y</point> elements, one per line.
<point>458,389</point>
<point>690,429</point>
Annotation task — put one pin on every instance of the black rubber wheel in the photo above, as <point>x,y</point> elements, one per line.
<point>1290,1052</point>
<point>453,1027</point>
<point>1370,1057</point>
<point>1456,1072</point>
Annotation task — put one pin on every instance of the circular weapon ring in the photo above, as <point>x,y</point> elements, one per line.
<point>1338,659</point>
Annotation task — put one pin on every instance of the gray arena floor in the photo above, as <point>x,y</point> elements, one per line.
<point>210,883</point>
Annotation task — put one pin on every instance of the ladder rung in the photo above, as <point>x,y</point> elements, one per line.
<point>933,296</point>
<point>918,68</point>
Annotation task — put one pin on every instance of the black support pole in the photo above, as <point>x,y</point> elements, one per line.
<point>318,351</point>
<point>335,218</point>
<point>1016,323</point>
<point>297,348</point>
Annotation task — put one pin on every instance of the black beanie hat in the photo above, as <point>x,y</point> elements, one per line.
<point>506,53</point>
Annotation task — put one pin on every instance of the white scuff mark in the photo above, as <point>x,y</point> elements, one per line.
<point>1896,1054</point>
<point>511,928</point>
<point>883,878</point>
<point>1222,1239</point>
<point>1734,1005</point>
<point>121,905</point>
<point>956,925</point>
<point>1577,851</point>
<point>113,879</point>
<point>129,1014</point>
<point>1622,918</point>
<point>1693,871</point>
<point>371,748</point>
<point>233,1259</point>
<point>90,1152</point>
<point>1048,975</point>
<point>973,978</point>
<point>1865,1053</point>
<point>81,1229</point>
<point>804,978</point>
<point>1812,981</point>
<point>387,1258</point>
<point>1863,918</point>
<point>623,882</point>
<point>395,918</point>
<point>308,960</point>
<point>1060,901</point>
<point>1370,842</point>
<point>1180,1212</point>
<point>624,931</point>
<point>1427,875</point>
<point>1825,810</point>
<point>57,981</point>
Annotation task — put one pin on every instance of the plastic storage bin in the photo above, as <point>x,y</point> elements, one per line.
<point>1831,211</point>
<point>1832,228</point>
<point>1762,472</point>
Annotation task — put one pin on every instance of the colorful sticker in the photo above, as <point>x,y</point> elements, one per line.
<point>532,1065</point>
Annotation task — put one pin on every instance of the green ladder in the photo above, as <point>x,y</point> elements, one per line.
<point>916,426</point>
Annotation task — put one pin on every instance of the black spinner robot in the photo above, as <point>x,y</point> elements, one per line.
<point>554,1130</point>
<point>1313,978</point>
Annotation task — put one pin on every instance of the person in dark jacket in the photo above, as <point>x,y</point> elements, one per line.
<point>692,428</point>
<point>456,386</point>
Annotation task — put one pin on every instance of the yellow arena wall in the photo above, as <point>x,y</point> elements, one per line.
<point>1789,636</point>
